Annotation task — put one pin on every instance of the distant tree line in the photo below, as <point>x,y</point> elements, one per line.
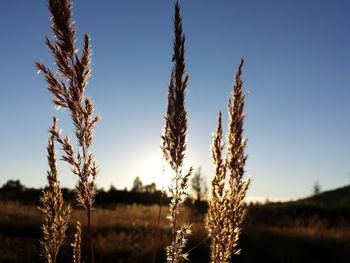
<point>14,190</point>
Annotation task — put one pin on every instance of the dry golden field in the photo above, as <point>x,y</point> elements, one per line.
<point>127,234</point>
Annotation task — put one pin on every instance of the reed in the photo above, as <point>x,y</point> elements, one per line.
<point>226,208</point>
<point>68,86</point>
<point>174,142</point>
<point>55,213</point>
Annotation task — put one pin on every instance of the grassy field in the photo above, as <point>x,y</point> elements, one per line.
<point>127,234</point>
<point>124,234</point>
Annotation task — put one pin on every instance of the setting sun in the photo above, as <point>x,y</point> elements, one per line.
<point>154,170</point>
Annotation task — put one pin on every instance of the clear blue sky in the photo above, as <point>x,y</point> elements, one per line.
<point>297,76</point>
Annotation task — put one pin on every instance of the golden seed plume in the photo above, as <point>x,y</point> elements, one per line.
<point>68,86</point>
<point>55,214</point>
<point>174,141</point>
<point>174,135</point>
<point>226,210</point>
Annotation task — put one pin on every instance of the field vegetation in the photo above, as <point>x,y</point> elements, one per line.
<point>146,225</point>
<point>301,231</point>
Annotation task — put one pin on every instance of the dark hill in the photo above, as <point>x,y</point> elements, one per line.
<point>331,206</point>
<point>339,197</point>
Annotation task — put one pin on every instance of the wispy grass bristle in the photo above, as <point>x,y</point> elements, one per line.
<point>174,142</point>
<point>55,213</point>
<point>226,208</point>
<point>68,85</point>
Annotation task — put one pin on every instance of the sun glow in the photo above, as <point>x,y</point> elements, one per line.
<point>155,170</point>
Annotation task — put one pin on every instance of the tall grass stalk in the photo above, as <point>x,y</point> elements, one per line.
<point>226,208</point>
<point>174,142</point>
<point>77,244</point>
<point>55,214</point>
<point>68,85</point>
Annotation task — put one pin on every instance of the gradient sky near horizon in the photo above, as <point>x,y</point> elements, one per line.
<point>296,75</point>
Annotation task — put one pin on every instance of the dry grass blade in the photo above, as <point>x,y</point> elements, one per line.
<point>226,208</point>
<point>77,244</point>
<point>68,86</point>
<point>55,214</point>
<point>174,141</point>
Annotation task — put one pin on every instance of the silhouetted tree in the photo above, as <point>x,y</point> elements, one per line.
<point>316,188</point>
<point>137,185</point>
<point>13,185</point>
<point>150,188</point>
<point>199,186</point>
<point>112,188</point>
